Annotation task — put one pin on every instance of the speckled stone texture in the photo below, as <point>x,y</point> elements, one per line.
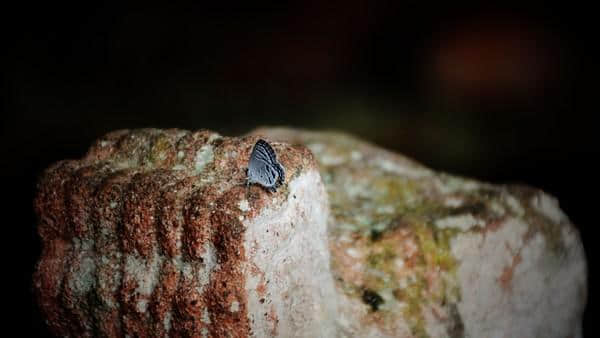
<point>417,253</point>
<point>153,233</point>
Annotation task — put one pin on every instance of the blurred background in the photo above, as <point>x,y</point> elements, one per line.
<point>499,93</point>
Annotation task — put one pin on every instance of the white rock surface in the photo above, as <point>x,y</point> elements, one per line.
<point>292,283</point>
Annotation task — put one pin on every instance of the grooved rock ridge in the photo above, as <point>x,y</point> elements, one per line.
<point>153,233</point>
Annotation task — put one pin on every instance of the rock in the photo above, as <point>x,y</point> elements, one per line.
<point>417,253</point>
<point>154,233</point>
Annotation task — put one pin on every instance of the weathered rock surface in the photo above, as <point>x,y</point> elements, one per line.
<point>153,233</point>
<point>417,253</point>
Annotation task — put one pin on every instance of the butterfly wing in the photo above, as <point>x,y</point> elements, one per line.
<point>262,150</point>
<point>263,165</point>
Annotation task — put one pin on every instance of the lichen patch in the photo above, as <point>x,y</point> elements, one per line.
<point>244,205</point>
<point>462,222</point>
<point>204,156</point>
<point>235,306</point>
<point>548,207</point>
<point>514,205</point>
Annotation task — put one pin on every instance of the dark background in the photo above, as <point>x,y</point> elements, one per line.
<point>500,93</point>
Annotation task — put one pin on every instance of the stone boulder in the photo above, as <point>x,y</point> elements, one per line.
<point>418,253</point>
<point>154,233</point>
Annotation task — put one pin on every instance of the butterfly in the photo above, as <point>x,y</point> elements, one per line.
<point>263,167</point>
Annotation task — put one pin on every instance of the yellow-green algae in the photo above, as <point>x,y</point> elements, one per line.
<point>373,203</point>
<point>161,146</point>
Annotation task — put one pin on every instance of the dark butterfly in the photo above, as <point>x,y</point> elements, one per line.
<point>263,167</point>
